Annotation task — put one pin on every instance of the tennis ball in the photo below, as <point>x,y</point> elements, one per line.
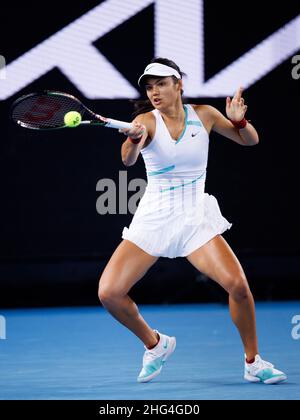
<point>72,119</point>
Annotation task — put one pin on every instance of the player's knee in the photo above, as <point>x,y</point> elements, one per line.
<point>239,289</point>
<point>108,294</point>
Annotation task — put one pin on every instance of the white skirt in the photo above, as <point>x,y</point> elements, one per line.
<point>178,234</point>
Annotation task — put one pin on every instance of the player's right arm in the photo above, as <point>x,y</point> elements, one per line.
<point>129,150</point>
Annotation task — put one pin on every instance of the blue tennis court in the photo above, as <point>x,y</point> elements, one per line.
<point>83,353</point>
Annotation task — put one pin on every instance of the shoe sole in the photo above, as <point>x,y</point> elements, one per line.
<point>270,381</point>
<point>150,377</point>
<point>171,349</point>
<point>276,380</point>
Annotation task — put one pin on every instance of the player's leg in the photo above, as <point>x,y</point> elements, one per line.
<point>127,266</point>
<point>217,260</point>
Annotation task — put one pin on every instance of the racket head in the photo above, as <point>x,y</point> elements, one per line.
<point>46,110</point>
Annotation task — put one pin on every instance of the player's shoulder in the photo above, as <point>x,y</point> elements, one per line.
<point>203,108</point>
<point>148,120</point>
<point>207,113</point>
<point>145,117</point>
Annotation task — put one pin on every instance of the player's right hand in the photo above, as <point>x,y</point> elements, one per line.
<point>136,132</point>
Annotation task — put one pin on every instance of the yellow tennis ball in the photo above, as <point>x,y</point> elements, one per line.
<point>72,119</point>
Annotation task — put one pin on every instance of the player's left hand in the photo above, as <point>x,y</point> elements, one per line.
<point>236,108</point>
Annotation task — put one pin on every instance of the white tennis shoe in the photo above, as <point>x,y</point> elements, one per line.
<point>262,371</point>
<point>155,358</point>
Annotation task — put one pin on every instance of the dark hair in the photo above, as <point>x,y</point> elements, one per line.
<point>142,106</point>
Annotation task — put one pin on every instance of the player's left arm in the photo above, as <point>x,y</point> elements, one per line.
<point>236,111</point>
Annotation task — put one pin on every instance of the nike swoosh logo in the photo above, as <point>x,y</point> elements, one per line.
<point>195,134</point>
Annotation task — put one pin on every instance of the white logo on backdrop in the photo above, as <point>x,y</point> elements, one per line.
<point>179,34</point>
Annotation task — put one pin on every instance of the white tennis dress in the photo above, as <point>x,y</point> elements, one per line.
<point>175,216</point>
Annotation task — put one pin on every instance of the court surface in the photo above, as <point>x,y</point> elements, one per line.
<point>83,353</point>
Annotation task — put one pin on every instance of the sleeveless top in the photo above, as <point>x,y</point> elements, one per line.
<point>175,216</point>
<point>183,161</point>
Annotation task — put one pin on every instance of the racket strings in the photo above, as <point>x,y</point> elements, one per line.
<point>45,111</point>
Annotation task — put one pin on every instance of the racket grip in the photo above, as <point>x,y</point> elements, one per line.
<point>117,124</point>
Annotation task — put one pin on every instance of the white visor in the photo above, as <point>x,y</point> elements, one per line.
<point>157,69</point>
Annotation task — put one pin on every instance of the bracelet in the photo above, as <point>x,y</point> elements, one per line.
<point>135,141</point>
<point>240,124</point>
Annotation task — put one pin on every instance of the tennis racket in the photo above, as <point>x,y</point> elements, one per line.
<point>46,111</point>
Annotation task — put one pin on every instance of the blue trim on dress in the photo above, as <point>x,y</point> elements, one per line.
<point>198,123</point>
<point>183,185</point>
<point>161,171</point>
<point>185,123</point>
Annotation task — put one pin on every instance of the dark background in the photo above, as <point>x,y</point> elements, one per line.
<point>53,243</point>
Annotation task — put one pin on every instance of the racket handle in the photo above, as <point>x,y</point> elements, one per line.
<point>117,124</point>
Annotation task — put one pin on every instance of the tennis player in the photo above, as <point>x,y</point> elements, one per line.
<point>176,218</point>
